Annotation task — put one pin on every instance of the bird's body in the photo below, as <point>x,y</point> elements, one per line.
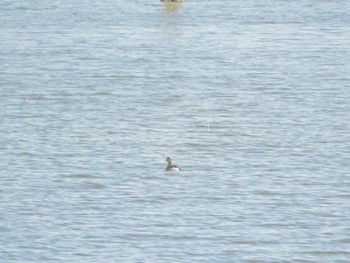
<point>171,167</point>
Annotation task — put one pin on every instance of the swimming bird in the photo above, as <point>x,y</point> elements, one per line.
<point>171,167</point>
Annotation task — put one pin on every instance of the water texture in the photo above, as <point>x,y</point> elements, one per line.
<point>250,98</point>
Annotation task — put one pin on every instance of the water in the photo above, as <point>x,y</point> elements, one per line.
<point>250,98</point>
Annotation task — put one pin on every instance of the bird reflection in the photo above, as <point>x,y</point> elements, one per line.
<point>172,4</point>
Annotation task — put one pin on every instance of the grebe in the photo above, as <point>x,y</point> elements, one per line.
<point>171,167</point>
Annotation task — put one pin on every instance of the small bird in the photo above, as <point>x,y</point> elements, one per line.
<point>171,167</point>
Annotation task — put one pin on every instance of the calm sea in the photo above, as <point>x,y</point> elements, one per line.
<point>250,98</point>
